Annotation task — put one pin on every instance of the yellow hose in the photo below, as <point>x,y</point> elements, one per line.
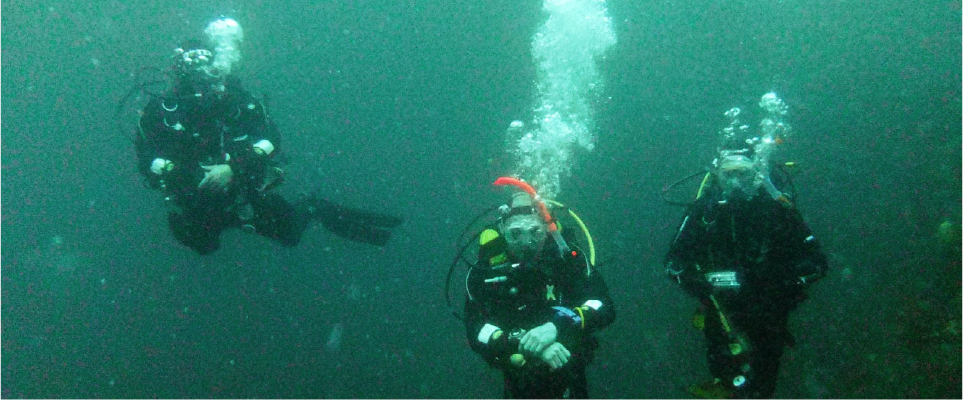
<point>588,236</point>
<point>703,185</point>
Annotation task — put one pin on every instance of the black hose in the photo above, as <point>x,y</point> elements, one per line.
<point>451,270</point>
<point>677,183</point>
<point>140,86</point>
<point>460,257</point>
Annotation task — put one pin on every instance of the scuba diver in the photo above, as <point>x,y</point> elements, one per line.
<point>534,300</point>
<point>745,253</point>
<point>748,257</point>
<point>212,148</point>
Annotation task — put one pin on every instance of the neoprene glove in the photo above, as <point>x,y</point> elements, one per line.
<point>216,178</point>
<point>160,165</point>
<point>556,355</point>
<point>539,338</point>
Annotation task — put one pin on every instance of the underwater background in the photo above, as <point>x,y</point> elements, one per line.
<point>402,107</point>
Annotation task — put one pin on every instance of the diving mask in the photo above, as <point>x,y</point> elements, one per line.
<point>737,176</point>
<point>524,234</point>
<point>196,64</point>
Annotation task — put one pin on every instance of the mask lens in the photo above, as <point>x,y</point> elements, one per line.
<point>524,231</point>
<point>513,234</point>
<point>737,182</point>
<point>197,65</point>
<point>740,174</point>
<point>197,58</point>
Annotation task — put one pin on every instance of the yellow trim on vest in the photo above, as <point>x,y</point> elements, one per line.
<point>582,316</point>
<point>487,236</point>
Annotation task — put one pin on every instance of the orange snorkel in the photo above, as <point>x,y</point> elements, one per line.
<point>542,209</point>
<point>531,192</point>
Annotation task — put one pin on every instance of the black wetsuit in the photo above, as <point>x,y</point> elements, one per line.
<point>762,256</point>
<point>534,293</point>
<point>192,132</point>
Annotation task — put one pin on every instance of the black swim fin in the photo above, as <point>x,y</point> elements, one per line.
<point>354,224</point>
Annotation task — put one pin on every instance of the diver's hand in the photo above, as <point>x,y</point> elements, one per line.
<point>161,165</point>
<point>539,338</point>
<point>556,355</point>
<point>217,177</point>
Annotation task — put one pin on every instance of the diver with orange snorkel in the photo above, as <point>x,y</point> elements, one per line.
<point>534,300</point>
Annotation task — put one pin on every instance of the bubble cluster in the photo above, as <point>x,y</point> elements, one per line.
<point>566,49</point>
<point>773,129</point>
<point>738,139</point>
<point>226,35</point>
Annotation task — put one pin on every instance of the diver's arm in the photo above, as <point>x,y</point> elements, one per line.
<point>250,158</point>
<point>593,311</point>
<point>805,261</point>
<point>216,177</point>
<point>486,337</point>
<point>598,310</point>
<point>487,334</point>
<point>153,144</point>
<point>678,258</point>
<point>681,260</point>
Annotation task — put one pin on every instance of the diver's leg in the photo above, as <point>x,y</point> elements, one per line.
<point>768,341</point>
<point>510,391</point>
<point>723,365</point>
<point>277,219</point>
<point>578,388</point>
<point>200,235</point>
<point>718,354</point>
<point>521,384</point>
<point>557,384</point>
